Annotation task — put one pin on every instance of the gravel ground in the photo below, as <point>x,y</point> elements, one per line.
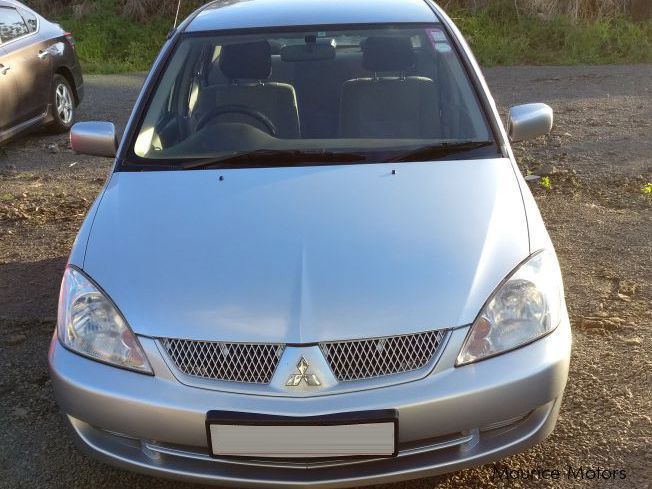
<point>598,159</point>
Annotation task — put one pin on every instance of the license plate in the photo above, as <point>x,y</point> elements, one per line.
<point>371,433</point>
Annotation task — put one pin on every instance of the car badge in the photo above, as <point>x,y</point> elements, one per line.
<point>296,379</point>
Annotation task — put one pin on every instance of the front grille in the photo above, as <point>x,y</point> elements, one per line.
<point>365,359</point>
<point>234,362</point>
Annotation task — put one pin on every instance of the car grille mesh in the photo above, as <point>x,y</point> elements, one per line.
<point>349,360</point>
<point>234,362</point>
<point>365,359</point>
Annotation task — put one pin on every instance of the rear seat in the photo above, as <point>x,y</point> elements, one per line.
<point>318,97</point>
<point>389,104</point>
<point>313,102</point>
<point>319,86</point>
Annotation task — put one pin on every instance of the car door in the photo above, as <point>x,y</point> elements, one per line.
<point>8,98</point>
<point>27,57</point>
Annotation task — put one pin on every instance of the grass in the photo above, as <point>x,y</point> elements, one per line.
<point>110,43</point>
<point>499,36</point>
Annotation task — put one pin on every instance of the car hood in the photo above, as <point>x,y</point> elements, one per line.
<point>302,255</point>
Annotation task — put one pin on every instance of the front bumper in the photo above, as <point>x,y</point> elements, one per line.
<point>453,419</point>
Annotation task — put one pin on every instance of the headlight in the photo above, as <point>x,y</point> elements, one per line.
<point>525,307</point>
<point>89,324</point>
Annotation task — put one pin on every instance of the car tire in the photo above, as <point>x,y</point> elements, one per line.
<point>63,106</point>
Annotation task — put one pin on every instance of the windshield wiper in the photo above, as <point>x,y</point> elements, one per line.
<point>271,158</point>
<point>438,151</point>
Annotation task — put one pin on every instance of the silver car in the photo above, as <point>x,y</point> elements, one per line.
<point>315,262</point>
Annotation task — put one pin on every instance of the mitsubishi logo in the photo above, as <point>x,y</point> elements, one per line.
<point>296,379</point>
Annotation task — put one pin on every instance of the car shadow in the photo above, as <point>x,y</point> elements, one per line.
<point>29,291</point>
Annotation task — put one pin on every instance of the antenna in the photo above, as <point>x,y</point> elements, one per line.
<point>176,17</point>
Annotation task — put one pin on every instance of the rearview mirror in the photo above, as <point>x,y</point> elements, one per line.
<point>94,138</point>
<point>529,121</point>
<point>310,51</point>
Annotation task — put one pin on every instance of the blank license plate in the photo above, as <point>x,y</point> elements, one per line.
<point>344,435</point>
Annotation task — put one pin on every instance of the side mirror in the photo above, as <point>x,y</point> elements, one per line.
<point>529,121</point>
<point>94,138</point>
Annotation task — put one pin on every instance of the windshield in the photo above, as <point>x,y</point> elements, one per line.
<point>390,93</point>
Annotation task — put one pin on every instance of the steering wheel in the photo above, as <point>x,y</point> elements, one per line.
<point>237,109</point>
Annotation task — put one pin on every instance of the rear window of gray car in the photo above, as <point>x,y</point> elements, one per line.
<point>30,19</point>
<point>12,24</point>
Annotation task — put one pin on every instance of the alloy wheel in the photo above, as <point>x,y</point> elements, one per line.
<point>64,104</point>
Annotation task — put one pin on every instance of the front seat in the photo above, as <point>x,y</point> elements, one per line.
<point>389,104</point>
<point>247,67</point>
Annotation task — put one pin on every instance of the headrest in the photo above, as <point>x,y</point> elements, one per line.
<point>388,54</point>
<point>248,61</point>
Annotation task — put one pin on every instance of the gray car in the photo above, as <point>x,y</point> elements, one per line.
<point>315,262</point>
<point>40,77</point>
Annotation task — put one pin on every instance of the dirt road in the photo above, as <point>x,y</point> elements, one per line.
<point>598,159</point>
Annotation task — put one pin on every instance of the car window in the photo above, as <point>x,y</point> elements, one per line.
<point>12,24</point>
<point>369,94</point>
<point>30,19</point>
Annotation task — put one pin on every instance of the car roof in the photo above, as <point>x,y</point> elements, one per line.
<point>243,14</point>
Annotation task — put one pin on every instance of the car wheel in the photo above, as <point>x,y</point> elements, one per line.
<point>63,105</point>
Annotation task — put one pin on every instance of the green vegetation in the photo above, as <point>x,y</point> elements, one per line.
<point>647,189</point>
<point>500,36</point>
<point>109,42</point>
<point>545,183</point>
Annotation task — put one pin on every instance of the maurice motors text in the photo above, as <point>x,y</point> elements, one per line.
<point>570,472</point>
